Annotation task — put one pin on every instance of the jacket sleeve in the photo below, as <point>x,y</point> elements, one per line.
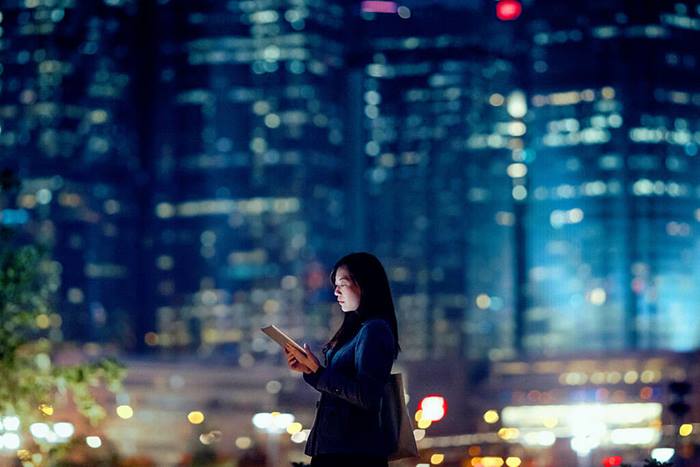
<point>374,356</point>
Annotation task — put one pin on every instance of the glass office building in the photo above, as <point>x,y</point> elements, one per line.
<point>613,194</point>
<point>250,172</point>
<point>67,128</point>
<point>436,144</point>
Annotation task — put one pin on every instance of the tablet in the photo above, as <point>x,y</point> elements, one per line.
<point>274,333</point>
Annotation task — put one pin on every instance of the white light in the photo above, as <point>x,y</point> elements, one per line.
<point>11,423</point>
<point>517,170</point>
<point>546,438</point>
<point>273,422</point>
<point>282,421</point>
<point>635,436</point>
<point>662,454</point>
<point>299,437</point>
<point>433,408</point>
<point>516,128</point>
<point>616,415</point>
<point>598,296</point>
<point>519,192</point>
<point>404,12</point>
<point>516,105</point>
<point>39,430</point>
<point>584,444</point>
<point>93,441</point>
<point>51,437</point>
<point>262,420</point>
<point>539,438</point>
<point>11,441</point>
<point>63,429</point>
<point>43,196</point>
<point>575,215</point>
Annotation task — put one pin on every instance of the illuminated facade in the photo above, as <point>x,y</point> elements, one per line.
<point>563,411</point>
<point>530,202</point>
<point>437,144</point>
<point>251,172</point>
<point>66,128</point>
<point>613,194</point>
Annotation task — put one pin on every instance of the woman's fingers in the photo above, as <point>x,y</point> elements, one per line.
<point>299,361</point>
<point>298,355</point>
<point>311,360</point>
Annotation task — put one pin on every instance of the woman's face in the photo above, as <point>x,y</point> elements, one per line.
<point>346,291</point>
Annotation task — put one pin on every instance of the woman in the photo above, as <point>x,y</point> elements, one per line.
<point>348,428</point>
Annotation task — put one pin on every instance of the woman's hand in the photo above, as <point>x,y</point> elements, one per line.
<point>304,362</point>
<point>294,364</point>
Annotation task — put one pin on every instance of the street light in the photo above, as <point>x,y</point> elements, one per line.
<point>272,424</point>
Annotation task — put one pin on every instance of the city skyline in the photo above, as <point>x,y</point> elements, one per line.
<point>527,171</point>
<point>213,173</point>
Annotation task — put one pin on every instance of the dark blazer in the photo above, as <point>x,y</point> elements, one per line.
<point>348,415</point>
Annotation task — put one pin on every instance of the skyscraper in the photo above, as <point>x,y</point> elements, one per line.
<point>251,171</point>
<point>437,144</point>
<point>65,83</point>
<point>611,228</point>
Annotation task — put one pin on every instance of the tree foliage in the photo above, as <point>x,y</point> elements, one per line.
<point>30,380</point>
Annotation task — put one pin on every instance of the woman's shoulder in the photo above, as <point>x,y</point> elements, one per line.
<point>375,326</point>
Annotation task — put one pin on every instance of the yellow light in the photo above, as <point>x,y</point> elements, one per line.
<point>685,429</point>
<point>43,321</point>
<point>550,422</point>
<point>196,417</point>
<point>437,459</point>
<point>294,427</point>
<point>491,416</point>
<point>483,301</point>
<point>419,415</point>
<point>496,100</point>
<point>46,409</point>
<point>508,433</point>
<point>492,461</point>
<point>243,442</point>
<point>608,92</point>
<point>424,423</point>
<point>513,461</point>
<point>125,412</point>
<point>474,450</point>
<point>597,296</point>
<point>631,377</point>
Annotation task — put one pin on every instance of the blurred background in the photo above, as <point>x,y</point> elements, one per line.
<point>526,170</point>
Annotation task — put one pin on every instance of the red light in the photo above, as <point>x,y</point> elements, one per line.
<point>612,461</point>
<point>434,408</point>
<point>508,10</point>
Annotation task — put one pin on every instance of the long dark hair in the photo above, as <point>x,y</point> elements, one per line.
<point>375,298</point>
